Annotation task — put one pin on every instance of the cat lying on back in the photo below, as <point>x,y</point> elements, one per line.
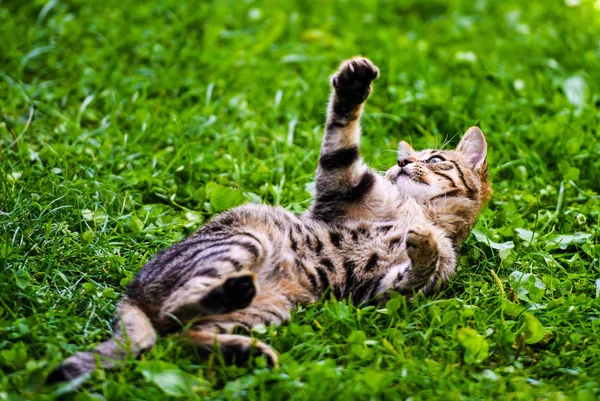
<point>364,236</point>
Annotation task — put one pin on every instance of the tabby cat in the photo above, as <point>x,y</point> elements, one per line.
<point>364,235</point>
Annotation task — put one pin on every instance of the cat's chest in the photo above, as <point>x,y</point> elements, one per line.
<point>410,211</point>
<point>382,235</point>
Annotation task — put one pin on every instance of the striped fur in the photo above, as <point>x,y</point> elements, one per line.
<point>364,236</point>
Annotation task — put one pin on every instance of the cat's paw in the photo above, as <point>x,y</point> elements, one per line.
<point>234,348</point>
<point>422,249</point>
<point>352,81</point>
<point>235,292</point>
<point>240,353</point>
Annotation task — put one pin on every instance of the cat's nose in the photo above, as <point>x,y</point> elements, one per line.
<point>404,161</point>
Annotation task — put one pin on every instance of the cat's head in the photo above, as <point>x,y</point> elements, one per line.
<point>435,174</point>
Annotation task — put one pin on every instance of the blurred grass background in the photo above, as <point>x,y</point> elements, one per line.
<point>124,126</point>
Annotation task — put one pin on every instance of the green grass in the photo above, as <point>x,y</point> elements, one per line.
<point>126,125</point>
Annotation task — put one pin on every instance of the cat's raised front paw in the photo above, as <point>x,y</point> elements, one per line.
<point>353,79</point>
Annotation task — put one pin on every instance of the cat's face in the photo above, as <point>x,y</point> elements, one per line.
<point>430,174</point>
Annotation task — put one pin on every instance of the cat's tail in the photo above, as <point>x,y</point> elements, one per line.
<point>133,333</point>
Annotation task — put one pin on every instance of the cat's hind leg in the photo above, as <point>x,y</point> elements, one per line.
<point>208,295</point>
<point>234,348</point>
<point>271,306</point>
<point>218,277</point>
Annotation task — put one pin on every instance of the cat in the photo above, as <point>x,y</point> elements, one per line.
<point>364,235</point>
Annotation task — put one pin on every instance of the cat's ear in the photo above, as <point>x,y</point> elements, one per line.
<point>404,149</point>
<point>473,147</point>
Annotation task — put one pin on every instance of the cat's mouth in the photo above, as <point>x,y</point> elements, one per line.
<point>405,175</point>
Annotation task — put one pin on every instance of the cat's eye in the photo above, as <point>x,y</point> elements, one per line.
<point>435,159</point>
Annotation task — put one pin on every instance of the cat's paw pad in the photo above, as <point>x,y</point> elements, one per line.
<point>354,78</point>
<point>240,290</point>
<point>236,292</point>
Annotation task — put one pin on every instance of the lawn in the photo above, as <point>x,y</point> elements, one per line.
<point>124,126</point>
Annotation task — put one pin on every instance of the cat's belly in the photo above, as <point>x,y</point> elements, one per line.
<point>350,259</point>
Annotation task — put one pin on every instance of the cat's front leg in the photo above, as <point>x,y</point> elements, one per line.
<point>423,250</point>
<point>432,260</point>
<point>431,263</point>
<point>351,86</point>
<point>342,177</point>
